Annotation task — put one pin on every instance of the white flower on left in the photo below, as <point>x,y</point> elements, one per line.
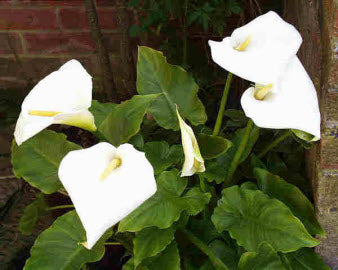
<point>62,97</point>
<point>106,184</point>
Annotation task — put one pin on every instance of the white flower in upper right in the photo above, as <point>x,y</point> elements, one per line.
<point>264,52</point>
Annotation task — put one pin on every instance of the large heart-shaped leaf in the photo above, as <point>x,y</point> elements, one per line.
<point>252,217</point>
<point>151,241</point>
<point>125,119</point>
<point>31,214</point>
<point>303,259</point>
<point>218,170</point>
<point>166,206</point>
<point>38,159</point>
<point>265,258</point>
<point>101,111</point>
<point>212,146</point>
<point>59,247</point>
<point>175,86</point>
<point>168,259</point>
<point>161,156</point>
<point>289,194</point>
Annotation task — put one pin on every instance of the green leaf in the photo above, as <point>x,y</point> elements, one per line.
<point>249,185</point>
<point>303,259</point>
<point>265,258</point>
<point>31,214</point>
<point>151,241</point>
<point>251,217</point>
<point>169,259</point>
<point>166,206</point>
<point>38,159</point>
<point>59,246</point>
<point>256,162</point>
<point>137,141</point>
<point>175,86</point>
<point>212,146</point>
<point>204,228</point>
<point>101,111</point>
<point>237,118</point>
<point>304,136</point>
<point>125,120</point>
<point>292,197</point>
<point>129,265</point>
<point>227,254</point>
<point>161,156</point>
<point>218,169</point>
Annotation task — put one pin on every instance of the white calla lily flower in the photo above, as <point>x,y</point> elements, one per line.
<point>290,103</point>
<point>62,97</point>
<point>106,184</point>
<point>194,161</point>
<point>259,50</point>
<point>264,52</point>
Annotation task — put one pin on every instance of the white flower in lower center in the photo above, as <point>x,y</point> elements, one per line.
<point>106,184</point>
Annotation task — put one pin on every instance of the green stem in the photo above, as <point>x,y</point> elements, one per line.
<point>60,207</point>
<point>236,160</point>
<point>223,103</point>
<point>277,141</point>
<point>185,37</point>
<point>112,244</point>
<point>217,262</point>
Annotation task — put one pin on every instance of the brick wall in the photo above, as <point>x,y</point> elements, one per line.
<point>46,33</point>
<point>326,169</point>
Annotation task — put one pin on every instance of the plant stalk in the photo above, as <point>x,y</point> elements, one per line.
<point>277,141</point>
<point>236,160</point>
<point>112,244</point>
<point>60,207</point>
<point>185,35</point>
<point>217,262</point>
<point>220,115</point>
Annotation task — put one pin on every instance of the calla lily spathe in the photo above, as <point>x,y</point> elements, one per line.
<point>291,104</point>
<point>106,184</point>
<point>264,52</point>
<point>272,43</point>
<point>62,97</point>
<point>194,161</point>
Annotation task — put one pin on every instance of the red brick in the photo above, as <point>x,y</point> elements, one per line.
<point>69,42</point>
<point>7,46</point>
<point>71,18</point>
<point>27,19</point>
<point>55,2</point>
<point>54,43</point>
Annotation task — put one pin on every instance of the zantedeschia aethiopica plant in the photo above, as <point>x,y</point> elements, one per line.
<point>244,200</point>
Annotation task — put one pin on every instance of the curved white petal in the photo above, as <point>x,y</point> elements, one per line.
<point>273,42</point>
<point>293,103</point>
<point>82,119</point>
<point>193,159</point>
<point>27,126</point>
<point>68,90</point>
<point>102,203</point>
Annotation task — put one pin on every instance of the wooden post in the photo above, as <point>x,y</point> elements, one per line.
<point>108,78</point>
<point>315,21</point>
